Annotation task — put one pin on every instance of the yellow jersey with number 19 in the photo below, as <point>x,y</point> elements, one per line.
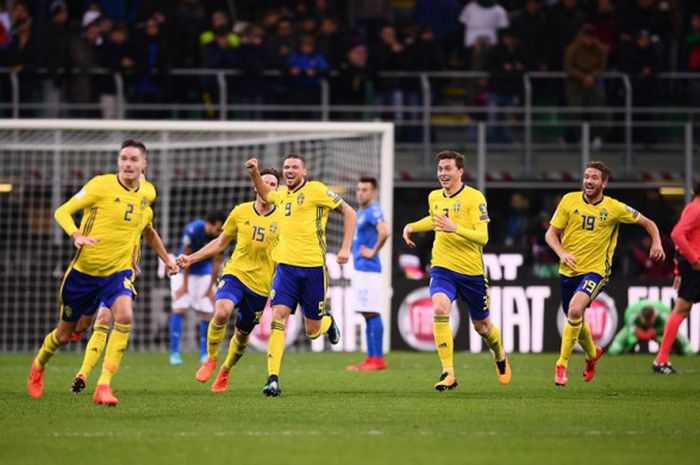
<point>113,215</point>
<point>466,208</point>
<point>590,231</point>
<point>303,217</point>
<point>256,235</point>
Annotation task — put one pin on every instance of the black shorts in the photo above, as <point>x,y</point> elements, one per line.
<point>690,282</point>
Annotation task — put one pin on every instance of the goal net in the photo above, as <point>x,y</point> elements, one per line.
<point>196,167</point>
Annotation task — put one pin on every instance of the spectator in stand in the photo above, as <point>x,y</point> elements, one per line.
<point>353,85</point>
<point>270,20</point>
<point>529,26</point>
<point>583,62</point>
<point>482,18</point>
<point>280,44</point>
<point>306,67</point>
<point>219,54</point>
<point>151,65</point>
<point>692,58</point>
<point>645,15</point>
<point>54,40</point>
<point>440,16</point>
<point>641,63</point>
<point>251,86</point>
<point>507,62</point>
<point>115,56</point>
<point>563,21</point>
<point>23,58</point>
<point>220,26</point>
<point>84,53</point>
<point>388,55</point>
<point>92,13</point>
<point>330,42</point>
<point>608,25</point>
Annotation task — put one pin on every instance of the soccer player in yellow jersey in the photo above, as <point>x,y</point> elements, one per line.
<point>300,274</point>
<point>113,206</point>
<point>246,279</point>
<point>583,233</point>
<point>458,215</point>
<point>103,319</point>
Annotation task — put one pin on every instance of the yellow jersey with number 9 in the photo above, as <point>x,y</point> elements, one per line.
<point>304,213</point>
<point>590,231</point>
<point>256,235</point>
<point>113,215</point>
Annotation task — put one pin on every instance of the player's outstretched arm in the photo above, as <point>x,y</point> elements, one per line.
<point>261,188</point>
<point>423,225</point>
<point>551,237</point>
<point>656,252</point>
<point>214,247</point>
<point>156,244</point>
<point>349,221</point>
<point>64,217</point>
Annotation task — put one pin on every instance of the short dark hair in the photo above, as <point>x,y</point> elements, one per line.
<point>600,166</point>
<point>370,180</point>
<point>215,216</point>
<point>271,171</point>
<point>134,143</point>
<point>451,155</point>
<point>648,312</point>
<point>296,156</point>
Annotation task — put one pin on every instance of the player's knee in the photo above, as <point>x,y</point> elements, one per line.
<point>62,338</point>
<point>481,327</point>
<point>574,313</point>
<point>124,319</point>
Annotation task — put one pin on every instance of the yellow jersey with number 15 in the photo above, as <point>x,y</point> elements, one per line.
<point>256,235</point>
<point>590,231</point>
<point>466,208</point>
<point>113,215</point>
<point>303,217</point>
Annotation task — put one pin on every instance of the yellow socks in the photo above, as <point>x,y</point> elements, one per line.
<point>215,334</point>
<point>275,347</point>
<point>572,329</point>
<point>493,342</point>
<point>94,349</point>
<point>585,340</point>
<point>325,324</point>
<point>48,348</point>
<point>116,346</point>
<point>443,341</point>
<point>236,349</point>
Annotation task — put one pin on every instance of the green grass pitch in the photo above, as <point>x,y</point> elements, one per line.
<point>626,415</point>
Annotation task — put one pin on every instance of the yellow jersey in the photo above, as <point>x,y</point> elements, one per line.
<point>466,208</point>
<point>303,217</point>
<point>590,231</point>
<point>146,221</point>
<point>256,235</point>
<point>113,214</point>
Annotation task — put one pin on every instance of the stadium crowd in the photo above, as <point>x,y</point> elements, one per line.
<point>349,41</point>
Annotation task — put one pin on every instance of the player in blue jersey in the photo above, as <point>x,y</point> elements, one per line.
<point>370,235</point>
<point>194,286</point>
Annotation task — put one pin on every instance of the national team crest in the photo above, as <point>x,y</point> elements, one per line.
<point>603,214</point>
<point>273,228</point>
<point>456,206</point>
<point>67,311</point>
<point>300,199</point>
<point>143,202</point>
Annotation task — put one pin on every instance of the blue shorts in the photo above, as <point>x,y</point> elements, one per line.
<point>473,290</point>
<point>82,294</point>
<point>294,285</point>
<point>590,284</point>
<point>249,304</point>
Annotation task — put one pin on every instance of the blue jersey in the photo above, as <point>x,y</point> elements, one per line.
<point>366,234</point>
<point>195,238</point>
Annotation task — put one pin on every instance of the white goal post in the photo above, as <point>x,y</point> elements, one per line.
<point>196,167</point>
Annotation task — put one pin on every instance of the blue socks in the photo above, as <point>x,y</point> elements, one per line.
<point>375,336</point>
<point>175,332</point>
<point>203,328</point>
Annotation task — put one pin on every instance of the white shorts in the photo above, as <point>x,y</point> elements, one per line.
<point>197,295</point>
<point>366,291</point>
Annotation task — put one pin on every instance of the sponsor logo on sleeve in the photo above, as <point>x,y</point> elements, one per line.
<point>484,212</point>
